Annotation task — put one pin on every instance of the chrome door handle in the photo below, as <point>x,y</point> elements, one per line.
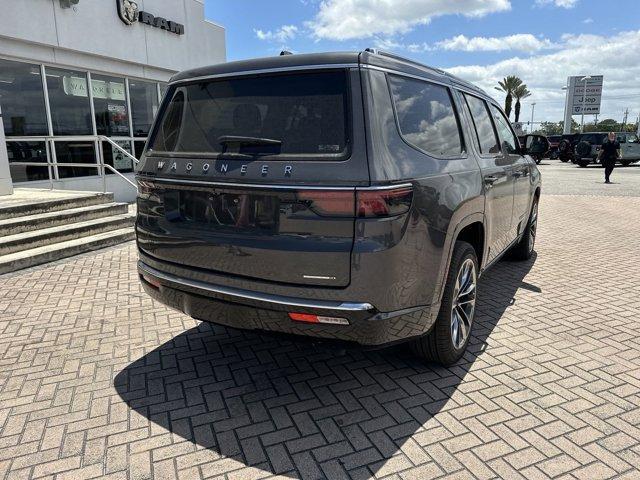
<point>490,179</point>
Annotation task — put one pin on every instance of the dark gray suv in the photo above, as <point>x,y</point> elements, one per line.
<point>347,196</point>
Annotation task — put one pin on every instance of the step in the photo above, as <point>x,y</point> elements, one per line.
<point>28,223</point>
<point>21,204</point>
<point>57,251</point>
<point>47,236</point>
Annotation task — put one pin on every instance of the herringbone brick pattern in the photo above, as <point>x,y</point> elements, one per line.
<point>96,380</point>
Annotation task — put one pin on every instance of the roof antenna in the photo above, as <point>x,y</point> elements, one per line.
<point>286,52</point>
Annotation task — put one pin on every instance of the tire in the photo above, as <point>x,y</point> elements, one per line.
<point>583,164</point>
<point>625,164</point>
<point>523,250</point>
<point>583,149</point>
<point>446,344</point>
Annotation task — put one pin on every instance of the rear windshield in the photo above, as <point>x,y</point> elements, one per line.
<point>304,113</point>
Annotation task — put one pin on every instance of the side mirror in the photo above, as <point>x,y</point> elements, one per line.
<point>535,145</point>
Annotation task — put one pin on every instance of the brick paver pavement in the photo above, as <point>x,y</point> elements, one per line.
<point>98,380</point>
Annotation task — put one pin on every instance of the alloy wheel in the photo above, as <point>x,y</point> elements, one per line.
<point>533,226</point>
<point>464,303</point>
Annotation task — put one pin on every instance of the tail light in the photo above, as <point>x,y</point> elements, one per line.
<point>384,202</point>
<point>329,203</point>
<point>364,204</point>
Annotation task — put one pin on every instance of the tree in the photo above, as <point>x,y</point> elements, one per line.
<point>508,85</point>
<point>520,92</point>
<point>550,128</point>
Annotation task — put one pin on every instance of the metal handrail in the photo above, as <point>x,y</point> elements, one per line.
<point>99,165</point>
<point>118,147</point>
<point>79,165</point>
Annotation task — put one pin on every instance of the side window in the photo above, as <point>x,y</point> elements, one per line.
<point>426,116</point>
<point>483,126</point>
<point>507,139</point>
<point>169,130</point>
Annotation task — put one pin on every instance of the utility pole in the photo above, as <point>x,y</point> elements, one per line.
<point>584,96</point>
<point>626,115</point>
<point>533,109</point>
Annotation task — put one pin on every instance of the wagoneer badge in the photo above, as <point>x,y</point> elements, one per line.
<point>224,168</point>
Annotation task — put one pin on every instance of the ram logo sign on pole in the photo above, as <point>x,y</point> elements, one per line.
<point>581,101</point>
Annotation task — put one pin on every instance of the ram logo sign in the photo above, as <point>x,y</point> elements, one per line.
<point>130,13</point>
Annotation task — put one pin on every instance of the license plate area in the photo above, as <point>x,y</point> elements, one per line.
<point>223,211</point>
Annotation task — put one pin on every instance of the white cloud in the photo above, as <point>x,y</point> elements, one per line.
<point>522,42</point>
<point>350,19</point>
<point>558,3</point>
<point>588,20</point>
<point>545,74</point>
<point>282,34</point>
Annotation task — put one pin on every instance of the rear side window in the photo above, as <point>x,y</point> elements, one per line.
<point>482,123</point>
<point>169,129</point>
<point>507,139</point>
<point>426,116</point>
<point>306,112</point>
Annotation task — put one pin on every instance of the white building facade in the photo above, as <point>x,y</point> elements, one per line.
<point>74,70</point>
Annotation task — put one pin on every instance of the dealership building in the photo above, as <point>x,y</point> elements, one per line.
<point>75,71</point>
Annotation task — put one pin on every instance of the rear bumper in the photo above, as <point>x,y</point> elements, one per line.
<point>244,309</point>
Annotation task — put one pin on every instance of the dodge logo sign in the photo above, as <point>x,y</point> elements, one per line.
<point>128,11</point>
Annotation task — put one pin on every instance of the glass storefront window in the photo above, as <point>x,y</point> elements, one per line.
<point>22,99</point>
<point>110,104</point>
<point>114,157</point>
<point>75,152</point>
<point>69,102</point>
<point>27,152</point>
<point>144,106</point>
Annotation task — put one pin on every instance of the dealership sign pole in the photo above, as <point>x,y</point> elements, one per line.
<point>584,96</point>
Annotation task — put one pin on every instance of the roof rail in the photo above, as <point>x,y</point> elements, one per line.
<point>452,77</point>
<point>395,56</point>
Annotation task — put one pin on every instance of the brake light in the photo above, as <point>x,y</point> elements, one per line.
<point>310,318</point>
<point>329,203</point>
<point>384,202</point>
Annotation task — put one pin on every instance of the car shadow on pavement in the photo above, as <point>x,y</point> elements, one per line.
<point>302,409</point>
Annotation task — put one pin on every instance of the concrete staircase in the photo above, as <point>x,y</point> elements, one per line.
<point>45,226</point>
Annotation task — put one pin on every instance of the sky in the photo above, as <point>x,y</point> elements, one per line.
<point>541,41</point>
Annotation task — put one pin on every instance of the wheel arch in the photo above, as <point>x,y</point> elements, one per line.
<point>470,229</point>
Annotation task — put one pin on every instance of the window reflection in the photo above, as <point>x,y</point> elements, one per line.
<point>482,123</point>
<point>110,105</point>
<point>426,116</point>
<point>144,106</point>
<point>75,152</point>
<point>22,99</point>
<point>69,102</point>
<point>27,152</point>
<point>507,138</point>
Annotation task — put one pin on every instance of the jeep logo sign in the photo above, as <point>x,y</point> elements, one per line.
<point>130,13</point>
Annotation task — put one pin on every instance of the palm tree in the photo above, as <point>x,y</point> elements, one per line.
<point>508,85</point>
<point>520,92</point>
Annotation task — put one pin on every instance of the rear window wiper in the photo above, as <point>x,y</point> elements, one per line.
<point>227,140</point>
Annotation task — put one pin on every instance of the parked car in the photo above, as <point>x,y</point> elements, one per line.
<point>554,141</point>
<point>588,145</point>
<point>566,147</point>
<point>534,149</point>
<point>343,196</point>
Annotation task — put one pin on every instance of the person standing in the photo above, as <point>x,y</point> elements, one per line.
<point>609,153</point>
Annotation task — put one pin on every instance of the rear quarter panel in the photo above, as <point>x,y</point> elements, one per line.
<point>447,193</point>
